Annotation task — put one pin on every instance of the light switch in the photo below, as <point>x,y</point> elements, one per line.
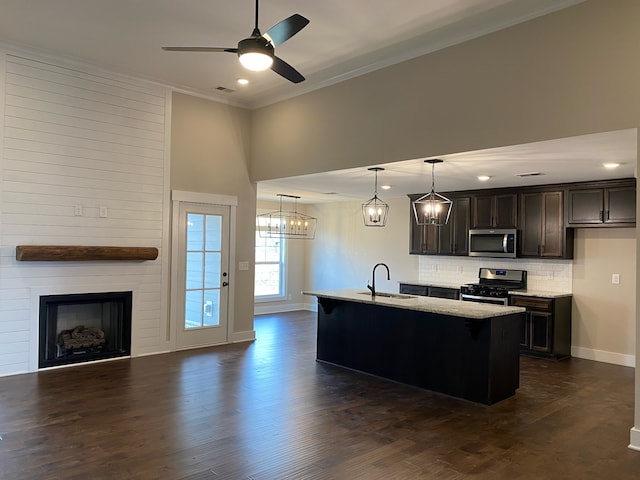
<point>104,213</point>
<point>615,278</point>
<point>243,265</point>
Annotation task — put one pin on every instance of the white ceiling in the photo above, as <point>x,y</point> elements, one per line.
<point>344,39</point>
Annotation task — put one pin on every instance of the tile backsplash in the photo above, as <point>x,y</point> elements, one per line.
<point>545,275</point>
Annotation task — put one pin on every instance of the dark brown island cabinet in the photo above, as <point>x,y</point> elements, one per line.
<point>546,328</point>
<point>473,358</point>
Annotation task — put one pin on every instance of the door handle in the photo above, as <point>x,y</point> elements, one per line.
<point>225,284</point>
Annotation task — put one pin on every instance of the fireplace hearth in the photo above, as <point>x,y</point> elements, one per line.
<point>84,327</point>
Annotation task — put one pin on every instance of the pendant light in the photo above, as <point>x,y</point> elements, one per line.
<point>287,224</point>
<point>374,210</point>
<point>432,208</point>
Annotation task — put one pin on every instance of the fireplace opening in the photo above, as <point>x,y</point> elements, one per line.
<point>83,327</point>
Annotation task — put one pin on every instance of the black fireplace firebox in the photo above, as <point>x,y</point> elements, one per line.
<point>83,327</point>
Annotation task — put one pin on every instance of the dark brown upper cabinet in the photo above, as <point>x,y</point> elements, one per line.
<point>543,214</point>
<point>454,236</point>
<point>449,239</point>
<point>541,224</point>
<point>610,205</point>
<point>494,211</point>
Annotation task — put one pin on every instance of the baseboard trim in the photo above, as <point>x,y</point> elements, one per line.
<point>246,336</point>
<point>604,356</point>
<point>267,309</point>
<point>635,439</point>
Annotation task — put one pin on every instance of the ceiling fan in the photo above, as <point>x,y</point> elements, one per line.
<point>257,52</point>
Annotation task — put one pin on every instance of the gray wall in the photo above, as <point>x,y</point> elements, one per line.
<point>569,73</point>
<point>209,154</point>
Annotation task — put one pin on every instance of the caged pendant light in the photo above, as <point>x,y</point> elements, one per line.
<point>287,224</point>
<point>374,210</point>
<point>432,208</point>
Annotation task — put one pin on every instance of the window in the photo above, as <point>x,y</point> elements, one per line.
<point>270,267</point>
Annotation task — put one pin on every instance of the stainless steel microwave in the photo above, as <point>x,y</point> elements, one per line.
<point>499,242</point>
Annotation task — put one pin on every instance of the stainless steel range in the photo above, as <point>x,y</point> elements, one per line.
<point>494,285</point>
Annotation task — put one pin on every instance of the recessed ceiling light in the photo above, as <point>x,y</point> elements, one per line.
<point>243,81</point>
<point>483,178</point>
<point>611,165</point>
<point>385,187</point>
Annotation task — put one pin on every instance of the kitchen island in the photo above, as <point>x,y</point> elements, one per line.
<point>463,349</point>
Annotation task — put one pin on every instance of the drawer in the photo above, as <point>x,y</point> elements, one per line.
<point>410,289</point>
<point>532,303</point>
<point>442,292</point>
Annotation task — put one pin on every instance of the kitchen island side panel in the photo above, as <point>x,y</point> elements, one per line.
<point>477,360</point>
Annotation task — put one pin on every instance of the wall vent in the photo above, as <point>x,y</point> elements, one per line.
<point>220,88</point>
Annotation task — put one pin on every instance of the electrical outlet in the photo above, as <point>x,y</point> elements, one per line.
<point>77,210</point>
<point>615,278</point>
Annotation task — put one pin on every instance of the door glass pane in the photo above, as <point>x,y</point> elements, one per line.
<point>195,231</point>
<point>211,311</point>
<point>193,309</point>
<point>214,232</point>
<point>194,270</point>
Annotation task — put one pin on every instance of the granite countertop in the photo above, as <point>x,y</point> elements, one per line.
<point>456,308</point>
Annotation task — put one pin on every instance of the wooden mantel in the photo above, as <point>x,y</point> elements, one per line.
<point>74,253</point>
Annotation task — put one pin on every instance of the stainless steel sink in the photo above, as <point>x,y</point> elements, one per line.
<point>388,295</point>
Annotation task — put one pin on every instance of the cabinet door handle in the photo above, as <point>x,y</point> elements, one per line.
<point>602,215</point>
<point>607,219</point>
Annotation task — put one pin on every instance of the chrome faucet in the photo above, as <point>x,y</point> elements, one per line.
<point>372,287</point>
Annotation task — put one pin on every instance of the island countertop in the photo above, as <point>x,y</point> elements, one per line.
<point>456,308</point>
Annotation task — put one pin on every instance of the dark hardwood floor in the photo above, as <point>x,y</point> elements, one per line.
<point>266,410</point>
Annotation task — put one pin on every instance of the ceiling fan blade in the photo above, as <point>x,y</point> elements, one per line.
<point>200,49</point>
<point>287,28</point>
<point>285,70</point>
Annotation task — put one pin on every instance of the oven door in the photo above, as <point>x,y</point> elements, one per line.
<point>465,297</point>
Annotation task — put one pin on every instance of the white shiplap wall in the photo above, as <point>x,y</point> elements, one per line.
<point>76,137</point>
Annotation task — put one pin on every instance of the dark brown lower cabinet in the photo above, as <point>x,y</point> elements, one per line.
<point>546,328</point>
<point>430,291</point>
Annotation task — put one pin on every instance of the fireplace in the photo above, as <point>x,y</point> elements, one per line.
<point>83,327</point>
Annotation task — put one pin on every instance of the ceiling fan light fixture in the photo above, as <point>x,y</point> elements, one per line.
<point>255,53</point>
<point>256,61</point>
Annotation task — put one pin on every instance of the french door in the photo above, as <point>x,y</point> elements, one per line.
<point>203,277</point>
